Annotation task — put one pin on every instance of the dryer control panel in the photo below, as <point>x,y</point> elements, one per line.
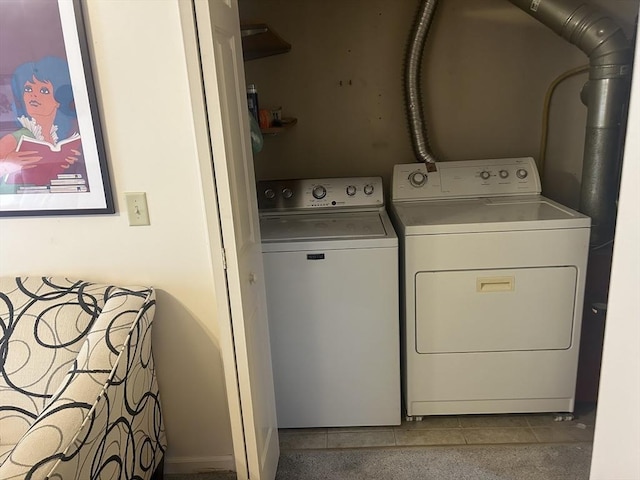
<point>320,193</point>
<point>469,178</point>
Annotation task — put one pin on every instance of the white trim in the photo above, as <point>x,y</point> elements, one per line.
<point>616,443</point>
<point>220,463</point>
<point>188,13</point>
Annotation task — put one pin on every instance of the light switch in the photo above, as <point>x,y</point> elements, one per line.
<point>137,208</point>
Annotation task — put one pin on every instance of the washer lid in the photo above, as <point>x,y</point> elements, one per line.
<point>486,215</point>
<point>329,226</point>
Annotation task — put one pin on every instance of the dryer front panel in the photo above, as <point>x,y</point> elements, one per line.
<point>517,309</point>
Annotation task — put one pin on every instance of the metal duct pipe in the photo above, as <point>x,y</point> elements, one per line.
<point>606,96</point>
<point>412,91</point>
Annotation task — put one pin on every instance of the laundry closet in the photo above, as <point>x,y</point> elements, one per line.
<point>486,70</point>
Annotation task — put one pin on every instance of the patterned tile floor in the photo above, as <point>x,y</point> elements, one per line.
<point>449,430</point>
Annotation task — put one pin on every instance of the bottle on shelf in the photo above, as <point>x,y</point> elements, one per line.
<point>252,101</point>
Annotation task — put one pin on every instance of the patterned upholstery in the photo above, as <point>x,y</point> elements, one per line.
<point>78,390</point>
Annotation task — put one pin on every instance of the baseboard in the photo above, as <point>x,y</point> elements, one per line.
<point>222,463</point>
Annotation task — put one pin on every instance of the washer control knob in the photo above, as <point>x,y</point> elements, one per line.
<point>417,179</point>
<point>521,173</point>
<point>351,190</point>
<point>485,175</point>
<point>287,193</point>
<point>368,189</point>
<point>504,174</point>
<point>319,192</point>
<point>270,194</point>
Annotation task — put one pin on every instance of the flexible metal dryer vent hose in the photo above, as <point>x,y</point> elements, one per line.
<point>412,78</point>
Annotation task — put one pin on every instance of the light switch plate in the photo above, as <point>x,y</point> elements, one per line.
<point>137,208</point>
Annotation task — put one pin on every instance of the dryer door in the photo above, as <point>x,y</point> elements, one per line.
<point>495,310</point>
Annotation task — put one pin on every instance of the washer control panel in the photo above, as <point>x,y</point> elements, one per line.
<point>469,178</point>
<point>320,193</point>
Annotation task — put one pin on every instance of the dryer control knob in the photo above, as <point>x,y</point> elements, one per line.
<point>522,173</point>
<point>504,173</point>
<point>269,193</point>
<point>319,192</point>
<point>417,179</point>
<point>287,193</point>
<point>485,175</point>
<point>368,189</point>
<point>351,190</point>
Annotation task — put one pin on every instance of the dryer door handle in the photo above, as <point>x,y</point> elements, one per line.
<point>495,284</point>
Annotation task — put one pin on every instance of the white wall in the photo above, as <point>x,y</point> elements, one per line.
<point>616,449</point>
<point>148,124</point>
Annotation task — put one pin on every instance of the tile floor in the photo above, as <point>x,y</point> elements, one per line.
<point>449,430</point>
<point>531,446</point>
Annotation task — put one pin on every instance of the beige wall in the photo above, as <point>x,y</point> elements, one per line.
<point>140,69</point>
<point>487,67</point>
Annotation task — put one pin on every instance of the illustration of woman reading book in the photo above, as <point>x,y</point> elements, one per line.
<point>45,152</point>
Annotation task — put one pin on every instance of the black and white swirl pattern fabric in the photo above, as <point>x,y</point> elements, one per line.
<point>78,390</point>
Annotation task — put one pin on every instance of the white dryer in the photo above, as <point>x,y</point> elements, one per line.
<point>331,265</point>
<point>493,278</point>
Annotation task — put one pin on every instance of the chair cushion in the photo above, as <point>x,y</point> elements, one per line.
<point>44,324</point>
<point>5,450</point>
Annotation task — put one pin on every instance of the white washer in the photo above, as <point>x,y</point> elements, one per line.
<point>331,272</point>
<point>493,278</point>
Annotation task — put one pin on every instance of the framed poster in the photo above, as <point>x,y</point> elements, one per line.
<point>52,157</point>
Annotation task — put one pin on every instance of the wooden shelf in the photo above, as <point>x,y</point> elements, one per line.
<point>259,41</point>
<point>287,123</point>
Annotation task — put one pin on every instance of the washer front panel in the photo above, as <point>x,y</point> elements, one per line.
<point>334,331</point>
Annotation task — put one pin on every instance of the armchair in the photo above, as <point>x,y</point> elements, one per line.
<point>78,392</point>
